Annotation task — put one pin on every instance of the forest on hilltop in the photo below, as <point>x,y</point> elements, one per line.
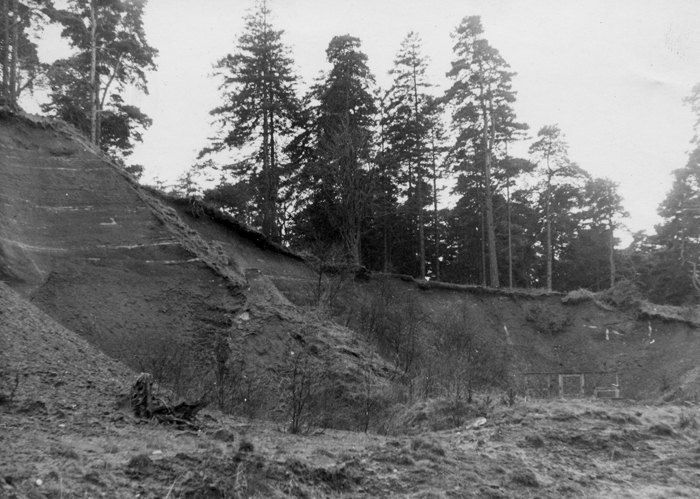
<point>402,179</point>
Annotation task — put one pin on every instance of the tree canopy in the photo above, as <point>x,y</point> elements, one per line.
<point>402,179</point>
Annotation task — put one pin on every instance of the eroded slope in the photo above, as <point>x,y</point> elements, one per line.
<point>89,248</point>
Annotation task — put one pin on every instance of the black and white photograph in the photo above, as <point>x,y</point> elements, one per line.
<point>354,249</point>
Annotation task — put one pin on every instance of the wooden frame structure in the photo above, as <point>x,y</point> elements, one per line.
<point>611,390</point>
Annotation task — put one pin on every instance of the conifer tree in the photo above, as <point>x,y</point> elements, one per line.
<point>408,130</point>
<point>111,54</point>
<point>481,99</point>
<point>679,235</point>
<point>334,151</point>
<point>19,58</point>
<point>603,208</point>
<point>259,109</point>
<point>436,149</point>
<point>551,151</point>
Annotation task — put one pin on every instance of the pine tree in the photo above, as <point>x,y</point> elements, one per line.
<point>551,150</point>
<point>481,98</point>
<point>511,170</point>
<point>335,149</point>
<point>408,132</point>
<point>20,63</point>
<point>604,211</point>
<point>260,106</point>
<point>679,235</point>
<point>111,54</point>
<point>436,150</point>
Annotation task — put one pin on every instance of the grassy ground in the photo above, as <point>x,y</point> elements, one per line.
<point>552,449</point>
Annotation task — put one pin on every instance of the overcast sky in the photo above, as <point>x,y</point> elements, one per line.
<point>611,73</point>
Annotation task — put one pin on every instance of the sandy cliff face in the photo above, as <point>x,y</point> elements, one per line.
<point>89,248</point>
<point>140,275</point>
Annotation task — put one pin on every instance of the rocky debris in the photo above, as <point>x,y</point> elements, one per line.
<point>146,406</point>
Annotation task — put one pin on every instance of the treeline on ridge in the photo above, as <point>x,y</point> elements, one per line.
<point>405,180</point>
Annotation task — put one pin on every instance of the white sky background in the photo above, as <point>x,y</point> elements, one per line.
<point>611,73</point>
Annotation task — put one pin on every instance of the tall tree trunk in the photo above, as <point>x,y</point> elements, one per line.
<point>488,134</point>
<point>483,246</point>
<point>510,236</point>
<point>93,71</point>
<point>266,225</point>
<point>490,229</point>
<point>421,229</point>
<point>98,115</point>
<point>419,179</point>
<point>15,52</point>
<point>435,214</point>
<point>385,195</point>
<point>6,50</point>
<point>268,142</point>
<point>267,177</point>
<point>385,267</point>
<point>548,216</point>
<point>358,247</point>
<point>274,180</point>
<point>612,253</point>
<point>102,98</point>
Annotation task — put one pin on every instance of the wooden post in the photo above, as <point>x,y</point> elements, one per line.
<point>561,385</point>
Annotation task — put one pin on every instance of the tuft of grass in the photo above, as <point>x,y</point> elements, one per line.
<point>246,446</point>
<point>525,477</point>
<point>578,296</point>
<point>662,430</point>
<point>624,295</point>
<point>535,441</point>
<point>64,452</point>
<point>687,420</point>
<point>685,315</point>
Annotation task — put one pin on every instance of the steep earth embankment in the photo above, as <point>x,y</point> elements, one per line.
<point>120,266</point>
<point>131,270</point>
<point>80,240</point>
<point>652,355</point>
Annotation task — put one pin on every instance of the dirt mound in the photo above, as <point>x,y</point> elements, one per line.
<point>46,365</point>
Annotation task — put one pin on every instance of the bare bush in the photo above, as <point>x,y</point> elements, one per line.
<point>688,420</point>
<point>170,360</point>
<point>394,322</point>
<point>300,382</point>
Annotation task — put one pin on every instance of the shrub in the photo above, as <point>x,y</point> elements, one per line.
<point>467,360</point>
<point>394,322</point>
<point>578,296</point>
<point>300,383</point>
<point>625,294</point>
<point>687,420</point>
<point>547,321</point>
